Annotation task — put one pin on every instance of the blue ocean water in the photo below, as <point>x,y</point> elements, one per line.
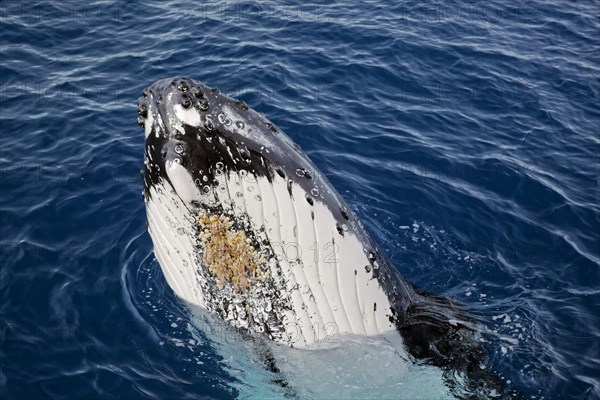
<point>465,134</point>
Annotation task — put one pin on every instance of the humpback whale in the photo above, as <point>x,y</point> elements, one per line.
<point>244,225</point>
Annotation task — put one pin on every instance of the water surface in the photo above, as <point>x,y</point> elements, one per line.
<point>464,133</point>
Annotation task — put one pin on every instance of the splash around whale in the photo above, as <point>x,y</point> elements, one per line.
<point>245,226</point>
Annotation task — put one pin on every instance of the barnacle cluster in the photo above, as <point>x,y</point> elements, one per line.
<point>229,254</point>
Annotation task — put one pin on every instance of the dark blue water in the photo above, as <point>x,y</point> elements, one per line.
<point>464,133</point>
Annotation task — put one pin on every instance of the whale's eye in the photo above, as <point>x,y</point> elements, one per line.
<point>186,103</point>
<point>179,148</point>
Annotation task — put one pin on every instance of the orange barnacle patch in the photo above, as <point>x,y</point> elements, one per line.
<point>229,254</point>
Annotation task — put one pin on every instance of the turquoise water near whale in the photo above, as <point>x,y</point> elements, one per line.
<point>465,134</point>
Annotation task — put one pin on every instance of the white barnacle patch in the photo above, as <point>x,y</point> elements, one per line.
<point>154,121</point>
<point>148,124</point>
<point>256,135</point>
<point>231,155</point>
<point>182,181</point>
<point>189,116</point>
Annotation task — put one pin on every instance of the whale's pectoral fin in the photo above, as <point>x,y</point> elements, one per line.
<point>437,330</point>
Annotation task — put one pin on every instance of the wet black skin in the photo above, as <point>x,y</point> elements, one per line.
<point>421,318</point>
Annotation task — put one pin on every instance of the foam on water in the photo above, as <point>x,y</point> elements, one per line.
<point>342,367</point>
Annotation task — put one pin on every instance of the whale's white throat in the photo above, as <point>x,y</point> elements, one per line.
<point>325,278</point>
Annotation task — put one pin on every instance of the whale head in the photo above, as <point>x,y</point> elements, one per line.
<point>195,134</point>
